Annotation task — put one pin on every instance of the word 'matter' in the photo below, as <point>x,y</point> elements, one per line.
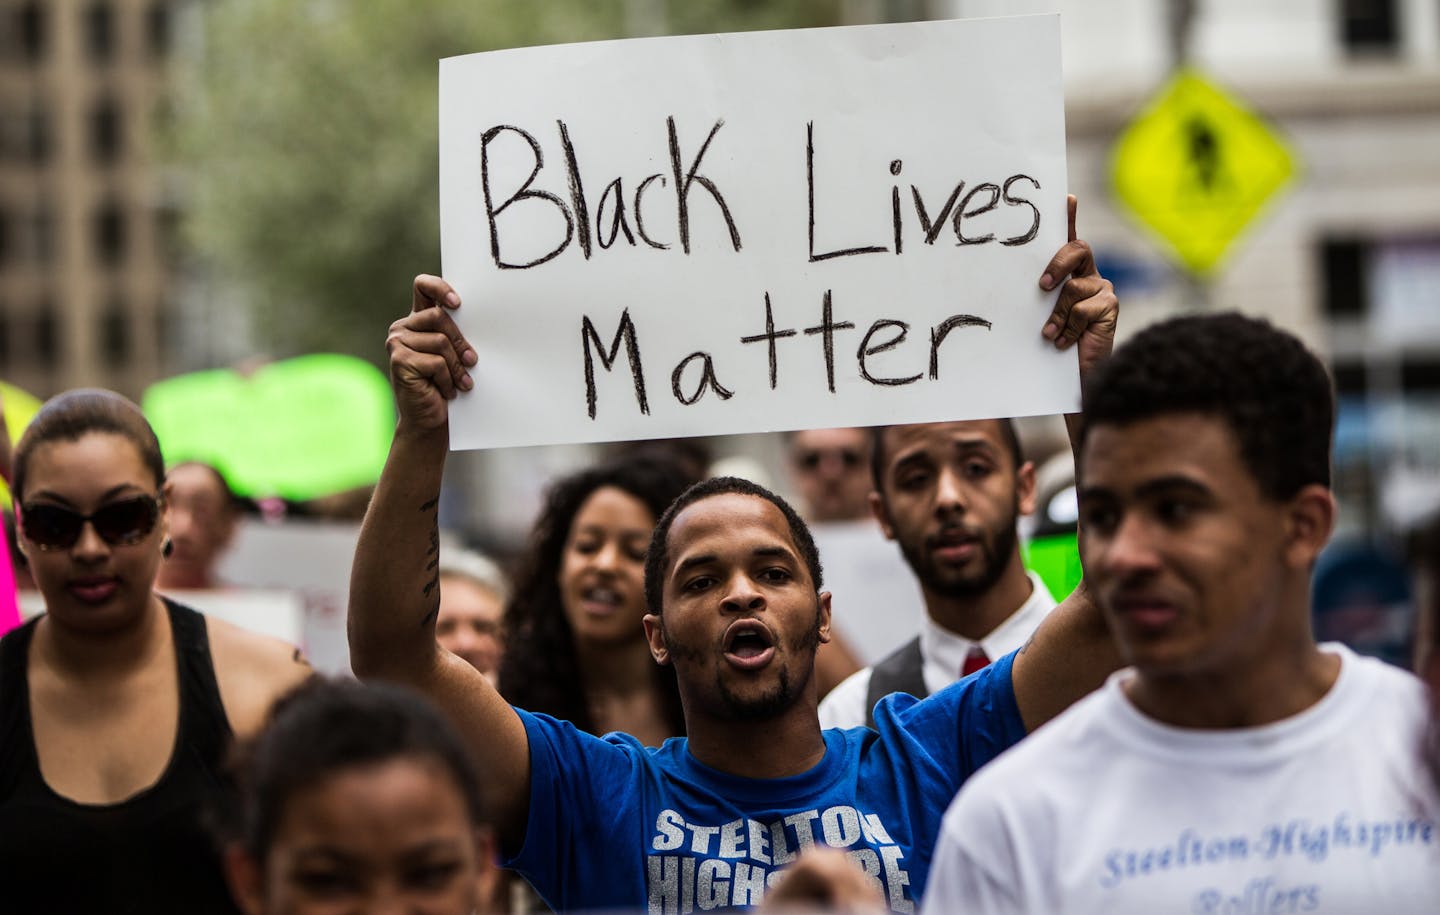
<point>689,385</point>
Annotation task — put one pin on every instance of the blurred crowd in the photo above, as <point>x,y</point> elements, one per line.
<point>661,698</point>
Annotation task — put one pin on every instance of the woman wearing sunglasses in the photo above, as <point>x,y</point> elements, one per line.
<point>116,705</point>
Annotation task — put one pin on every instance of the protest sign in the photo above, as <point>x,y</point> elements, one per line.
<point>755,232</point>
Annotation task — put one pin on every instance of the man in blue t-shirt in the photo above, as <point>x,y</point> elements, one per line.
<point>733,587</point>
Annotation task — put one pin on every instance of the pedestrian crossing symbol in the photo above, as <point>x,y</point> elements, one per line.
<point>1197,166</point>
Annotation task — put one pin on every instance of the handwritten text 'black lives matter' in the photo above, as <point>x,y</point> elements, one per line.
<point>656,212</point>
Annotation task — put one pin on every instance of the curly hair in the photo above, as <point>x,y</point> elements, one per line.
<point>657,557</point>
<point>1272,392</point>
<point>74,414</point>
<point>541,669</point>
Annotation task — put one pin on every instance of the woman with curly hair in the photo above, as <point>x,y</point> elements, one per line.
<point>576,647</point>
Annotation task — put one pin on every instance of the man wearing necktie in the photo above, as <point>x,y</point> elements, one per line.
<point>949,494</point>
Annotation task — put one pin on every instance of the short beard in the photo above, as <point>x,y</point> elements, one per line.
<point>994,555</point>
<point>758,708</point>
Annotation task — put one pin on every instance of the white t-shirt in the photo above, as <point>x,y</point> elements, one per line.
<point>943,653</point>
<point>1106,810</point>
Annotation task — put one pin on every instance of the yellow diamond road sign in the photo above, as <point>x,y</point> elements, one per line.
<point>1196,166</point>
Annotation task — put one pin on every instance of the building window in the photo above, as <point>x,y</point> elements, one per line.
<point>157,29</point>
<point>40,245</point>
<point>1369,26</point>
<point>46,338</point>
<point>106,131</point>
<point>1420,375</point>
<point>109,232</point>
<point>37,134</point>
<point>30,26</point>
<point>1342,263</point>
<point>100,32</point>
<point>115,334</point>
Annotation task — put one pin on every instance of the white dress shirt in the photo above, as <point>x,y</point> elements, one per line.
<point>944,654</point>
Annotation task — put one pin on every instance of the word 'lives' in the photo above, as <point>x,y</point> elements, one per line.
<point>656,211</point>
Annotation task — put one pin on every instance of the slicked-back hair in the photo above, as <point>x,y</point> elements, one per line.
<point>70,416</point>
<point>657,558</point>
<point>1008,437</point>
<point>1272,392</point>
<point>540,670</point>
<point>325,727</point>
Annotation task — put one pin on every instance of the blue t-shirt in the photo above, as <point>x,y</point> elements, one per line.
<point>613,824</point>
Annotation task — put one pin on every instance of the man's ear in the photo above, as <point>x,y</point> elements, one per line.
<point>655,635</point>
<point>824,617</point>
<point>1025,488</point>
<point>881,511</point>
<point>1309,522</point>
<point>243,876</point>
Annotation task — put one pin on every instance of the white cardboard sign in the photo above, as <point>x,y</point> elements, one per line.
<point>753,232</point>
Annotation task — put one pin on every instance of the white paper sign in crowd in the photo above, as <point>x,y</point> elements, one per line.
<point>752,232</point>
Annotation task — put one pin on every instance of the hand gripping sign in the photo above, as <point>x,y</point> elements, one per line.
<point>753,232</point>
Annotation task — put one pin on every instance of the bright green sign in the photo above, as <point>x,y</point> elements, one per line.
<point>298,429</point>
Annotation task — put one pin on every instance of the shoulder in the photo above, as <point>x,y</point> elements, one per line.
<point>560,744</point>
<point>1378,674</point>
<point>1386,693</point>
<point>844,706</point>
<point>252,671</point>
<point>989,692</point>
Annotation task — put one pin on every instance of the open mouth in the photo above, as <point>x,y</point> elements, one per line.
<point>1145,612</point>
<point>601,600</point>
<point>749,644</point>
<point>954,544</point>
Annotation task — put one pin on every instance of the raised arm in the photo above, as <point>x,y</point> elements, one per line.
<point>1071,653</point>
<point>394,583</point>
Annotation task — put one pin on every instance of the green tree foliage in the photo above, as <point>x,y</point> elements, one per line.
<point>306,132</point>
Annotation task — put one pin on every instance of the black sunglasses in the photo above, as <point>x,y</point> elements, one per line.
<point>120,523</point>
<point>810,459</point>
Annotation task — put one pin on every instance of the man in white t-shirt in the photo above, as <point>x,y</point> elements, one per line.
<point>1236,766</point>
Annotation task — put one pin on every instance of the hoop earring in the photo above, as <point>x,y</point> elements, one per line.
<point>167,548</point>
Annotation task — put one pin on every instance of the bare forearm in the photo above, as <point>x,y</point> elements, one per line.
<point>1069,656</point>
<point>394,583</point>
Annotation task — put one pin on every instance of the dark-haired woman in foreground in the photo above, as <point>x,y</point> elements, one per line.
<point>116,706</point>
<point>358,799</point>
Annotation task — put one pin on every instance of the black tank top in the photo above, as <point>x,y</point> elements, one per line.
<point>151,853</point>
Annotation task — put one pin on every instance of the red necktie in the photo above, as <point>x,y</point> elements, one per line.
<point>975,660</point>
